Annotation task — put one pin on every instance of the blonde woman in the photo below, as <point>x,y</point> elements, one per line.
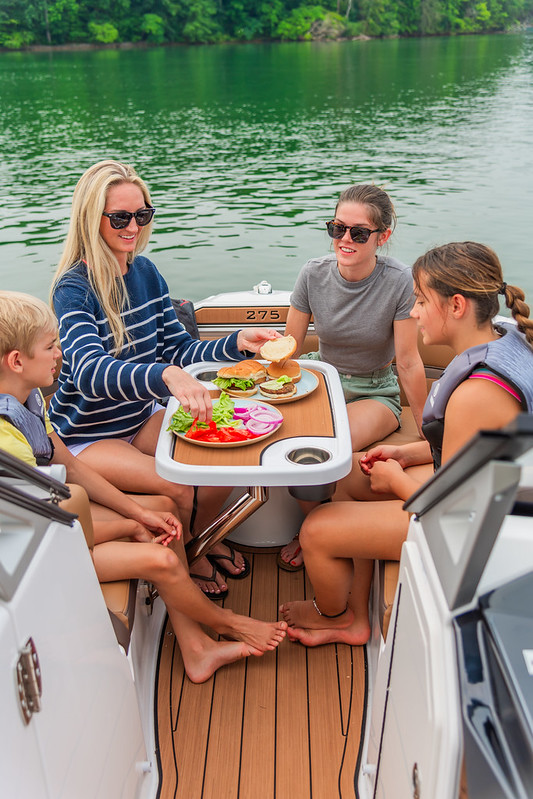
<point>488,383</point>
<point>124,349</point>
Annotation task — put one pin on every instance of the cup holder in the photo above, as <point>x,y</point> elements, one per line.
<point>207,376</point>
<point>308,455</point>
<point>311,456</point>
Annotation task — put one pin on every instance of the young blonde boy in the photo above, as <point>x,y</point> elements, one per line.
<point>28,358</point>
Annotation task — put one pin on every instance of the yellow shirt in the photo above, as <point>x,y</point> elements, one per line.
<point>14,442</point>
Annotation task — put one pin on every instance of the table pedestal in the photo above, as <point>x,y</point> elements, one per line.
<point>225,522</point>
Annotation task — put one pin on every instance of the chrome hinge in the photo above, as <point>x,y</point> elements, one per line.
<point>29,681</point>
<point>149,594</point>
<point>416,782</point>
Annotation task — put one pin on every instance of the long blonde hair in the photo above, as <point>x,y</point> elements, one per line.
<point>84,242</point>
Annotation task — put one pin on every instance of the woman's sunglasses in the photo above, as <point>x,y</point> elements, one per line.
<point>359,235</point>
<point>121,219</point>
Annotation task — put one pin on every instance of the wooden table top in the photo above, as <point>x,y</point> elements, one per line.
<point>310,416</point>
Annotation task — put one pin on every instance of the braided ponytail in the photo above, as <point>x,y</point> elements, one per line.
<point>514,300</point>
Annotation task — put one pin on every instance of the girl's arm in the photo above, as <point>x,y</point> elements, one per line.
<point>388,477</point>
<point>410,367</point>
<point>476,404</point>
<point>297,324</point>
<point>413,454</point>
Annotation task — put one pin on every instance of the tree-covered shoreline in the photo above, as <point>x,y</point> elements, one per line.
<point>32,24</point>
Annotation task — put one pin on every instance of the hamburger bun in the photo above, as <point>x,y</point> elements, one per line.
<point>278,349</point>
<point>273,389</point>
<point>244,370</point>
<point>289,368</point>
<point>240,379</point>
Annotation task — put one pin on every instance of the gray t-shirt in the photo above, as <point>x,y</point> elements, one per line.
<point>354,320</point>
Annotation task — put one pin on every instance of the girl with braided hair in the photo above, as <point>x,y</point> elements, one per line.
<point>487,384</point>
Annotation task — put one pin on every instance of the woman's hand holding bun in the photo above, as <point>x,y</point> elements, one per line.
<point>279,349</point>
<point>253,338</point>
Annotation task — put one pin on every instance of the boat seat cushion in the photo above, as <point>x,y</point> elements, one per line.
<point>388,578</point>
<point>119,596</point>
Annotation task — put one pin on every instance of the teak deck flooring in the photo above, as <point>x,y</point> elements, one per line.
<point>283,726</point>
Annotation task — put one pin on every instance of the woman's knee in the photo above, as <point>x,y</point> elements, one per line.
<point>164,563</point>
<point>167,504</point>
<point>312,530</point>
<point>181,495</point>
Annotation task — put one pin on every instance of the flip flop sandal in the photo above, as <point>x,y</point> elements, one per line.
<point>287,565</point>
<point>214,559</point>
<point>211,578</point>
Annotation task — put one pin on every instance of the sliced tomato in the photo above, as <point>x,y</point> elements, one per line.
<point>229,434</point>
<point>201,433</point>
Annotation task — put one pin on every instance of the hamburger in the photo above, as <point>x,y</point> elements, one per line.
<point>282,387</point>
<point>278,349</point>
<point>289,368</point>
<point>240,379</point>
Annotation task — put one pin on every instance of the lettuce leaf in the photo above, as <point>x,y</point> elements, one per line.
<point>236,382</point>
<point>181,421</point>
<point>223,410</point>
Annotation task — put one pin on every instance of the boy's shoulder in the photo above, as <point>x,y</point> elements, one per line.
<point>15,443</point>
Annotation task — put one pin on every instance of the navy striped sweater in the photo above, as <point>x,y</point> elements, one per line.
<point>105,394</point>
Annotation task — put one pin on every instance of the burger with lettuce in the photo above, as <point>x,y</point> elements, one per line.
<point>240,379</point>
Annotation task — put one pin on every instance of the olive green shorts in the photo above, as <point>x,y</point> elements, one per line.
<point>381,385</point>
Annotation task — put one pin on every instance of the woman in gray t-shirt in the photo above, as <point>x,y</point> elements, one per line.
<point>360,302</point>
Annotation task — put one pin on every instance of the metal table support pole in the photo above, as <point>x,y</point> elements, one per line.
<point>225,522</point>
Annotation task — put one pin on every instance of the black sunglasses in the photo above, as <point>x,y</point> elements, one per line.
<point>121,219</point>
<point>359,235</point>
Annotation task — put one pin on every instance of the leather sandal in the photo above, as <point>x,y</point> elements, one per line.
<point>210,579</point>
<point>214,559</point>
<point>286,564</point>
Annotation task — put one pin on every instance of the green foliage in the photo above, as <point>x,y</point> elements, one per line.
<point>332,26</point>
<point>104,33</point>
<point>16,39</point>
<point>153,28</point>
<point>201,24</point>
<point>381,17</point>
<point>298,24</point>
<point>23,22</point>
<point>63,21</point>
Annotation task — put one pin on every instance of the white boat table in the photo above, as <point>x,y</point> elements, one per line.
<point>312,447</point>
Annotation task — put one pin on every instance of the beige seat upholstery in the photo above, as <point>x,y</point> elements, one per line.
<point>119,596</point>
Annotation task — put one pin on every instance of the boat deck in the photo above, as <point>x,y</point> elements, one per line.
<point>287,724</point>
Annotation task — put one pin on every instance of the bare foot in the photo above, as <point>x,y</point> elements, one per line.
<point>210,655</point>
<point>356,634</point>
<point>207,578</point>
<point>304,614</point>
<point>292,553</point>
<point>262,635</point>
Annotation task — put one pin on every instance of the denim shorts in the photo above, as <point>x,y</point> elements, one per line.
<point>380,385</point>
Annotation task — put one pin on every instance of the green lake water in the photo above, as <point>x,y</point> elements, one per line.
<point>245,148</point>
